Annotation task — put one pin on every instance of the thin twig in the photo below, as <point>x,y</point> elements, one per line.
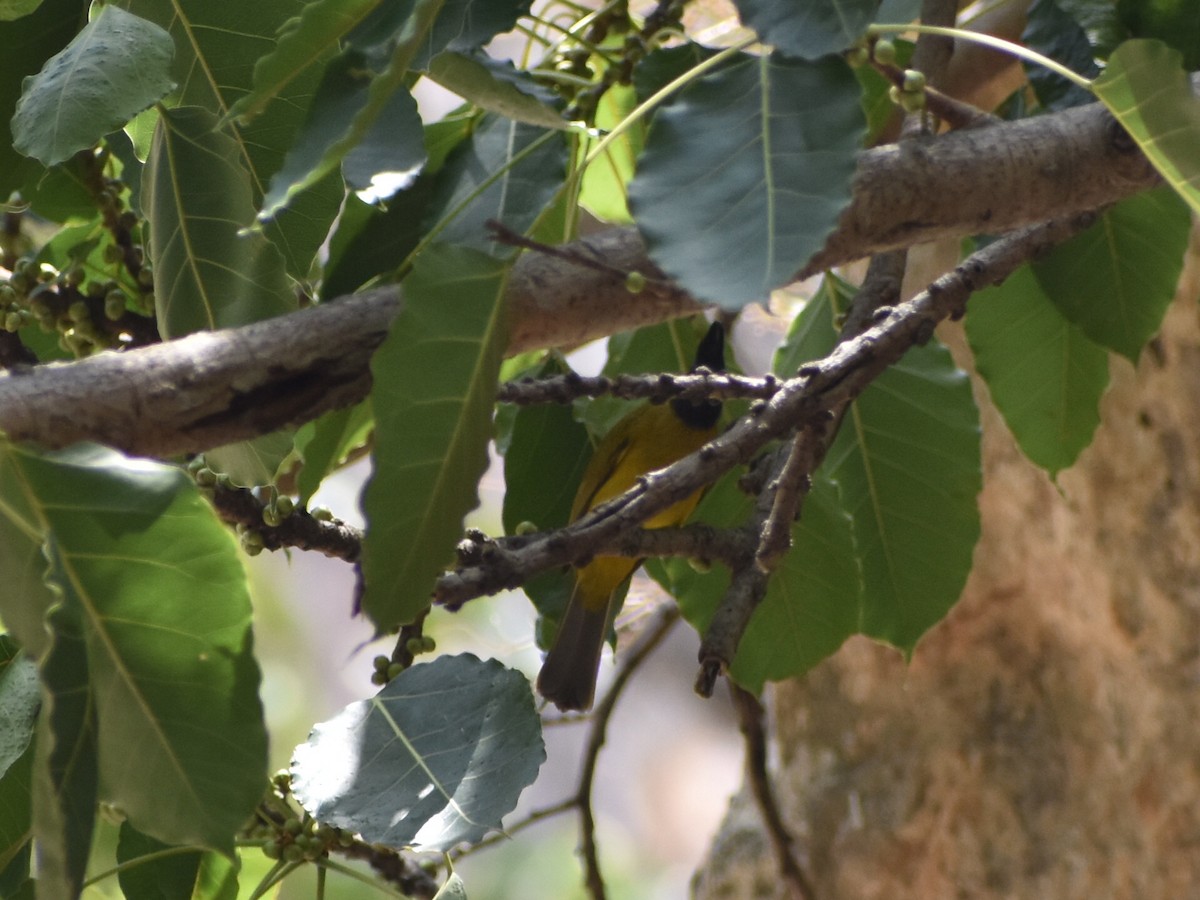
<point>666,616</point>
<point>658,388</point>
<point>751,718</point>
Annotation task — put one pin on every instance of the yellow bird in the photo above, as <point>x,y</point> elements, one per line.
<point>649,438</point>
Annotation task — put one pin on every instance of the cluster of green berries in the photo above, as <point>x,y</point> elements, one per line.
<point>297,837</point>
<point>385,668</point>
<point>64,301</point>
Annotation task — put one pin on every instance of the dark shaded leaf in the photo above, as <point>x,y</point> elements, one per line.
<point>737,214</point>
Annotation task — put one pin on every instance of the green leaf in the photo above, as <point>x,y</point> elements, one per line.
<point>605,189</point>
<point>507,171</point>
<point>1055,33</point>
<point>464,25</point>
<point>908,467</point>
<point>214,49</point>
<point>808,30</point>
<point>325,444</point>
<point>544,462</point>
<point>252,462</point>
<point>113,69</point>
<point>497,86</point>
<point>737,214</point>
<point>1116,280</point>
<point>16,9</point>
<point>26,598</point>
<point>814,600</point>
<point>65,767</point>
<point>355,90</point>
<point>434,386</point>
<point>16,846</point>
<point>435,759</point>
<point>20,697</point>
<point>391,153</point>
<point>1177,22</point>
<point>156,873</point>
<point>209,272</point>
<point>157,586</point>
<point>1146,89</point>
<point>1043,374</point>
<point>302,47</point>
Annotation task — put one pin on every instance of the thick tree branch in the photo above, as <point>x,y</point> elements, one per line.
<point>205,390</point>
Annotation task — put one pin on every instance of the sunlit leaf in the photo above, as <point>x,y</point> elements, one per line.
<point>113,69</point>
<point>325,444</point>
<point>737,214</point>
<point>434,384</point>
<point>1116,280</point>
<point>1043,374</point>
<point>156,614</point>
<point>1145,87</point>
<point>435,759</point>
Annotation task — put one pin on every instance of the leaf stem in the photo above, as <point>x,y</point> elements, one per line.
<point>140,860</point>
<point>988,40</point>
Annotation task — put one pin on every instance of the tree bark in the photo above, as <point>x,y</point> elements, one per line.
<point>205,390</point>
<point>1043,742</point>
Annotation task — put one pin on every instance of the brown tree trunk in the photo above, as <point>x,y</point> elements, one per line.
<point>1044,742</point>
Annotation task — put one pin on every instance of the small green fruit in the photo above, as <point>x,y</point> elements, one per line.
<point>914,81</point>
<point>885,52</point>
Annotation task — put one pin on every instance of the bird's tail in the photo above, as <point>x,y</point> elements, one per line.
<point>568,676</point>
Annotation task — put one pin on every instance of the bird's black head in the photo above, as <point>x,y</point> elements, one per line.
<point>703,414</point>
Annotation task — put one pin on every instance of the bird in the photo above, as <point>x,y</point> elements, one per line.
<point>648,438</point>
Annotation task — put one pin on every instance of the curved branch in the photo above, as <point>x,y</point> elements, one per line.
<point>206,390</point>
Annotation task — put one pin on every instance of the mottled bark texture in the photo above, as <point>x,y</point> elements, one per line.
<point>1045,739</point>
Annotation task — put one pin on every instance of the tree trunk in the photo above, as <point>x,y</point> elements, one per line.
<point>1045,739</point>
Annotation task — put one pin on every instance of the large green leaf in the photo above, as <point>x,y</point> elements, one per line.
<point>814,599</point>
<point>209,272</point>
<point>1150,94</point>
<point>65,772</point>
<point>908,466</point>
<point>744,176</point>
<point>1116,279</point>
<point>216,44</point>
<point>114,68</point>
<point>26,598</point>
<point>808,30</point>
<point>435,759</point>
<point>434,384</point>
<point>28,43</point>
<point>906,462</point>
<point>158,589</point>
<point>1042,372</point>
